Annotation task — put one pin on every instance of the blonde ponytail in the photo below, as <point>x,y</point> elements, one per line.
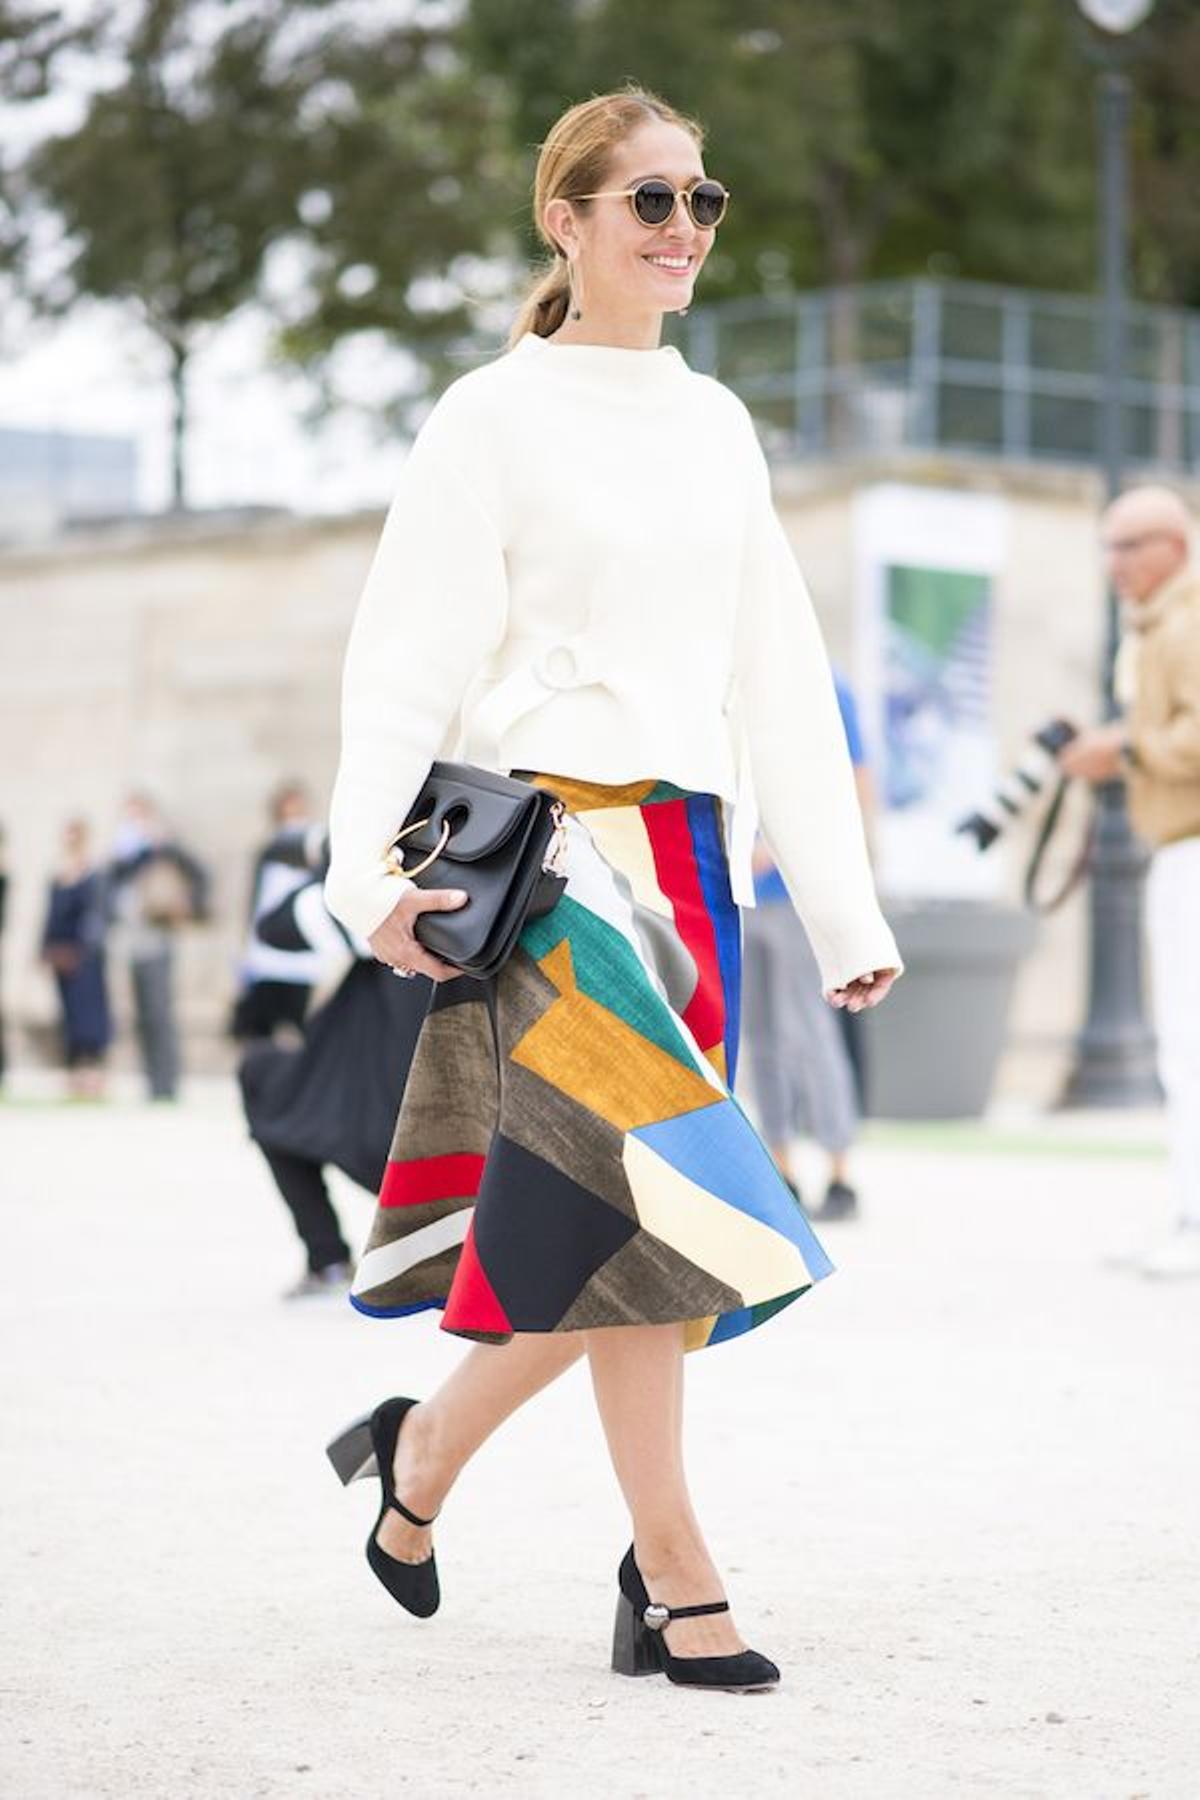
<point>574,160</point>
<point>545,305</point>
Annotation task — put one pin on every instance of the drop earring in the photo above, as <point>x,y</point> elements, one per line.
<point>574,309</point>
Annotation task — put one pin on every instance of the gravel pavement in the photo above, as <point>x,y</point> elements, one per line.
<point>956,1491</point>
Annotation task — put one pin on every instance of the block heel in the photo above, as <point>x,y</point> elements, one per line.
<point>635,1649</point>
<point>352,1452</point>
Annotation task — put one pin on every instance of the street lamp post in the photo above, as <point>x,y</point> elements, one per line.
<point>1114,1054</point>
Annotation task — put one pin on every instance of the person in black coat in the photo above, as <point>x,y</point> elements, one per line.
<point>332,1100</point>
<point>275,986</point>
<point>73,946</point>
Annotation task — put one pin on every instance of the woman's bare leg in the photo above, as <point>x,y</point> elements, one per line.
<point>444,1432</point>
<point>637,1374</point>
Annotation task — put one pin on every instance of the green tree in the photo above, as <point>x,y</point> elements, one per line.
<point>875,138</point>
<point>412,183</point>
<point>179,177</point>
<point>1167,155</point>
<point>32,39</point>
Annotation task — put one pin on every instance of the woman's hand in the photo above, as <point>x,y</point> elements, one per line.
<point>1094,755</point>
<point>394,942</point>
<point>863,991</point>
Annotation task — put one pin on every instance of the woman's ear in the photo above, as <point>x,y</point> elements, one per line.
<point>558,220</point>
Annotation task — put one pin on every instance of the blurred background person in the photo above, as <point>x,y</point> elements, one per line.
<point>333,1099</point>
<point>274,985</point>
<point>73,947</point>
<point>798,1054</point>
<point>1148,537</point>
<point>157,887</point>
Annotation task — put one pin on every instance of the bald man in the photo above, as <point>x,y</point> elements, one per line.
<point>1148,542</point>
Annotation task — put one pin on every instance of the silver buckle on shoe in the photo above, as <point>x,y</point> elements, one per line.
<point>656,1616</point>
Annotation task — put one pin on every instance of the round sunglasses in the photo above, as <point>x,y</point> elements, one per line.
<point>654,201</point>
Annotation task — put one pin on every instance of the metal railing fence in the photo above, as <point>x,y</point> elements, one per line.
<point>961,366</point>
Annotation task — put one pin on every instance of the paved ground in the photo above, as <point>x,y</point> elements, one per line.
<point>955,1491</point>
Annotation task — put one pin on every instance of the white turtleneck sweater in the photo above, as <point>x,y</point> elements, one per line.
<point>582,573</point>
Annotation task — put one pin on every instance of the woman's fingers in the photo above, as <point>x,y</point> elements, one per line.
<point>883,982</point>
<point>422,963</point>
<point>395,942</point>
<point>405,952</point>
<point>432,900</point>
<point>864,991</point>
<point>436,899</point>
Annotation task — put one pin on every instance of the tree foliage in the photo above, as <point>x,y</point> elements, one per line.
<point>32,36</point>
<point>362,139</point>
<point>874,138</point>
<point>178,178</point>
<point>1167,152</point>
<point>406,155</point>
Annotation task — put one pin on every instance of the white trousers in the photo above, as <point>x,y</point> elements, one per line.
<point>1173,923</point>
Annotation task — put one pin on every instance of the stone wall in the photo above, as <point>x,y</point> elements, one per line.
<point>201,659</point>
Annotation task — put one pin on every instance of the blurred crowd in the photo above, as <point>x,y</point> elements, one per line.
<point>116,911</point>
<point>126,904</point>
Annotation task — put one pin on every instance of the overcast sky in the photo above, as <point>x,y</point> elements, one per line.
<point>249,442</point>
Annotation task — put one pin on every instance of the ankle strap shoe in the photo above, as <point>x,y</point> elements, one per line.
<point>639,1647</point>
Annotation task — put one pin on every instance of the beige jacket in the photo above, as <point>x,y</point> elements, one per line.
<point>1162,678</point>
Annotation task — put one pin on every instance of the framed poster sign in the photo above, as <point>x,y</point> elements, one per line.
<point>926,563</point>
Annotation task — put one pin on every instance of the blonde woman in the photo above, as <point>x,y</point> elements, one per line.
<point>582,582</point>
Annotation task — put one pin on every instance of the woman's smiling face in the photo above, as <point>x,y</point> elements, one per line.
<point>621,265</point>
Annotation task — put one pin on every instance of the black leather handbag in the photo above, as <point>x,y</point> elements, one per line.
<point>500,840</point>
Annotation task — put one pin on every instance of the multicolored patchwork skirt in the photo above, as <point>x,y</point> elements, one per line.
<point>568,1153</point>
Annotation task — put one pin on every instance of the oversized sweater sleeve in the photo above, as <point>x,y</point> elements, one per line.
<point>432,610</point>
<point>798,754</point>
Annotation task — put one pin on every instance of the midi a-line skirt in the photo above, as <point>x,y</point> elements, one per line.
<point>568,1152</point>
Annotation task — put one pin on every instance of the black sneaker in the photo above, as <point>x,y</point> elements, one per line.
<point>840,1202</point>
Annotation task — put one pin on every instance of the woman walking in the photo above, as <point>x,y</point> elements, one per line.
<point>73,946</point>
<point>582,582</point>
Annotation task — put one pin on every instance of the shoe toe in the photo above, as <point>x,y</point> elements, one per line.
<point>414,1586</point>
<point>760,1670</point>
<point>425,1596</point>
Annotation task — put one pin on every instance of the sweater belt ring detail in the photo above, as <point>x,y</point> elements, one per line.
<point>559,667</point>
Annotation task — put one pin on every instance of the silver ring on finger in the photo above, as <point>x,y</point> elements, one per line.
<point>404,974</point>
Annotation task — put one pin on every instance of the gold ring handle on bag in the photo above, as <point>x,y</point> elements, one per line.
<point>396,861</point>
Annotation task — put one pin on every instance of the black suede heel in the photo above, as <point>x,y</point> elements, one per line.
<point>639,1647</point>
<point>368,1447</point>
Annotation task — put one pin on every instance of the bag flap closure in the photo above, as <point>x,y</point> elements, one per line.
<point>480,818</point>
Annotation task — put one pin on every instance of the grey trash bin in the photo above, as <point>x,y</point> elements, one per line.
<point>933,1046</point>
